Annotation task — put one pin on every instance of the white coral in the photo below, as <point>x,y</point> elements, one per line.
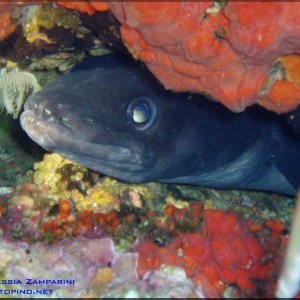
<point>15,87</point>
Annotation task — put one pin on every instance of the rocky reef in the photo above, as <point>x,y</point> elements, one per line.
<point>233,52</point>
<point>153,239</point>
<point>133,238</point>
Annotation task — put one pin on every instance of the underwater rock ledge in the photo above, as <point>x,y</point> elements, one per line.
<point>234,52</point>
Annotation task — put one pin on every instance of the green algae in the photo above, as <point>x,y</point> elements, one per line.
<point>15,156</point>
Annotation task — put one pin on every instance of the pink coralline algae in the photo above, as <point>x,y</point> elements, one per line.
<point>87,263</point>
<point>83,268</point>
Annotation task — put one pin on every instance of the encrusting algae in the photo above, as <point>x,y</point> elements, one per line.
<point>62,178</point>
<point>35,17</point>
<point>52,172</point>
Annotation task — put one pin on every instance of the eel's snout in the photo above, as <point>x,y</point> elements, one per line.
<point>46,110</point>
<point>33,106</point>
<point>39,107</point>
<point>42,121</point>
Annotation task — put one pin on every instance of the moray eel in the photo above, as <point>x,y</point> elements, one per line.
<point>111,115</point>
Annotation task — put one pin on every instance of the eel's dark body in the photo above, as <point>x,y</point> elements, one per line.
<point>111,115</point>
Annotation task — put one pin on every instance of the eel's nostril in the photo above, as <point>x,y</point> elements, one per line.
<point>30,105</point>
<point>46,113</point>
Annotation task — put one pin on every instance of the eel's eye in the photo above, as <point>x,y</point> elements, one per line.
<point>141,113</point>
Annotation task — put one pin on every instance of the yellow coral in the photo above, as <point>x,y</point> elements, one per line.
<point>77,196</point>
<point>101,197</point>
<point>60,178</point>
<point>49,174</point>
<point>177,203</point>
<point>45,171</point>
<point>98,199</point>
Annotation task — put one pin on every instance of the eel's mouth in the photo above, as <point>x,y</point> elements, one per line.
<point>53,135</point>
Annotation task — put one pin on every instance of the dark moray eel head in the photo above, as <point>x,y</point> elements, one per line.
<point>110,115</point>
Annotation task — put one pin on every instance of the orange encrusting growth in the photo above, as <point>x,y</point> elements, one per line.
<point>285,93</point>
<point>100,5</point>
<point>225,251</point>
<point>64,209</point>
<point>6,27</point>
<point>283,96</point>
<point>199,47</point>
<point>226,53</point>
<point>81,6</point>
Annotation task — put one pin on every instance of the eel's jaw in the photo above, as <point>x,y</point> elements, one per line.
<point>116,161</point>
